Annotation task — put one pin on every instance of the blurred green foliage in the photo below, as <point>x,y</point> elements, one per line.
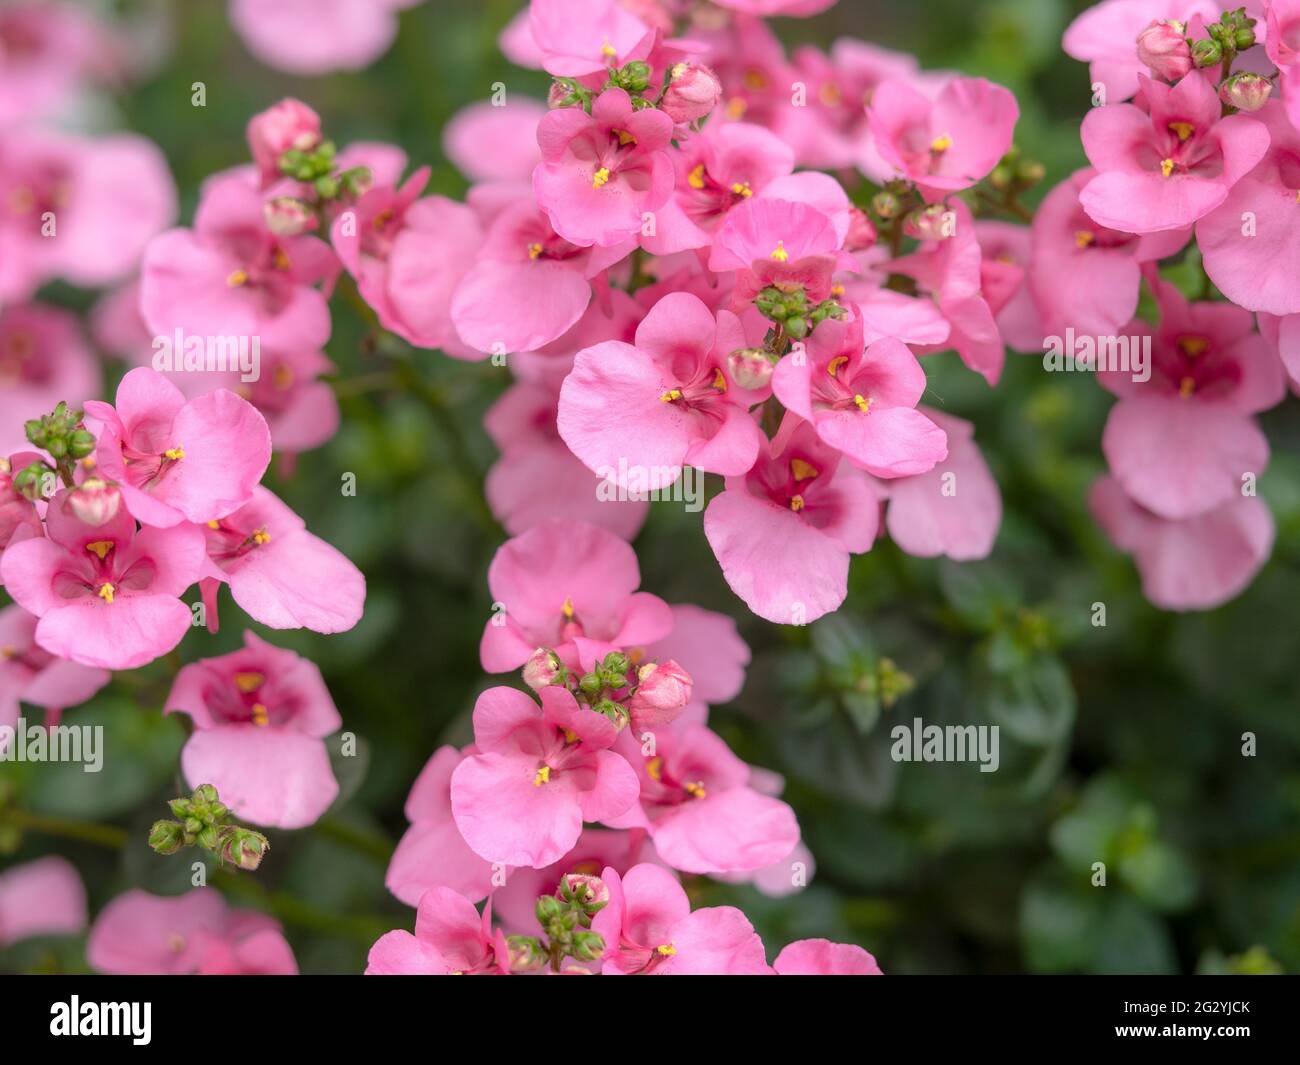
<point>1121,743</point>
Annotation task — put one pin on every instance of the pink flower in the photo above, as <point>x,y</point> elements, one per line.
<point>765,8</point>
<point>491,143</point>
<point>1256,266</point>
<point>579,37</point>
<point>1180,443</point>
<point>41,898</point>
<point>139,934</point>
<point>176,461</point>
<point>78,209</point>
<point>32,675</point>
<point>538,774</point>
<point>107,596</point>
<point>646,410</point>
<point>862,400</point>
<point>19,518</point>
<point>231,276</point>
<point>1283,336</point>
<point>1166,167</point>
<point>693,91</point>
<point>313,37</point>
<point>1104,36</point>
<point>784,532</point>
<point>537,478</point>
<point>1082,275</point>
<point>821,957</point>
<point>564,581</point>
<point>43,361</point>
<point>432,853</point>
<point>1163,47</point>
<point>288,125</point>
<point>279,573</point>
<point>1005,253</point>
<point>946,144</point>
<point>709,647</point>
<point>775,242</point>
<point>649,929</point>
<point>55,48</point>
<point>1193,564</point>
<point>698,802</point>
<point>450,939</point>
<point>955,509</point>
<point>600,173</point>
<point>260,717</point>
<point>663,690</point>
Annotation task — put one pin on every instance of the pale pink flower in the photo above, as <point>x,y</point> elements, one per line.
<point>821,957</point>
<point>44,361</point>
<point>450,939</point>
<point>41,898</point>
<point>314,37</point>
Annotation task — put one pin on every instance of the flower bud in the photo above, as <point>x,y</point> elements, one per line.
<point>289,125</point>
<point>543,669</point>
<point>29,482</point>
<point>588,946</point>
<point>664,689</point>
<point>167,837</point>
<point>862,234</point>
<point>750,368</point>
<point>693,91</point>
<point>94,502</point>
<point>548,909</point>
<point>885,204</point>
<point>526,953</point>
<point>1207,53</point>
<point>616,712</point>
<point>1245,91</point>
<point>589,892</point>
<point>16,510</point>
<point>932,222</point>
<point>287,216</point>
<point>1163,47</point>
<point>242,847</point>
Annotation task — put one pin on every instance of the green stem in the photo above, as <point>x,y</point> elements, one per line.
<point>110,836</point>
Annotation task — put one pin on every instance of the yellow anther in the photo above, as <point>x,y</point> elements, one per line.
<point>1186,387</point>
<point>570,736</point>
<point>175,454</point>
<point>534,251</point>
<point>863,405</point>
<point>941,143</point>
<point>837,290</point>
<point>624,137</point>
<point>567,609</point>
<point>608,50</point>
<point>259,716</point>
<point>695,179</point>
<point>237,278</point>
<point>736,107</point>
<point>1166,167</point>
<point>100,548</point>
<point>283,377</point>
<point>635,654</point>
<point>600,177</point>
<point>779,253</point>
<point>755,80</point>
<point>1183,130</point>
<point>7,653</point>
<point>1194,346</point>
<point>830,94</point>
<point>1084,237</point>
<point>214,525</point>
<point>106,592</point>
<point>655,769</point>
<point>667,950</point>
<point>803,471</point>
<point>261,537</point>
<point>543,776</point>
<point>249,682</point>
<point>741,188</point>
<point>833,367</point>
<point>695,789</point>
<point>796,503</point>
<point>282,261</point>
<point>670,395</point>
<point>719,380</point>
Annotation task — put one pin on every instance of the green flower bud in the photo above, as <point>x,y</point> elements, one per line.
<point>167,837</point>
<point>588,946</point>
<point>797,327</point>
<point>81,444</point>
<point>1207,53</point>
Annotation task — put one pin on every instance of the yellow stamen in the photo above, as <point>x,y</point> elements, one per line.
<point>100,548</point>
<point>249,682</point>
<point>261,537</point>
<point>624,137</point>
<point>570,736</point>
<point>567,609</point>
<point>803,471</point>
<point>543,776</point>
<point>88,462</point>
<point>281,260</point>
<point>7,653</point>
<point>736,107</point>
<point>796,503</point>
<point>106,592</point>
<point>534,251</point>
<point>779,253</point>
<point>237,278</point>
<point>695,179</point>
<point>719,380</point>
<point>741,188</point>
<point>755,80</point>
<point>175,454</point>
<point>1182,129</point>
<point>837,291</point>
<point>635,654</point>
<point>1084,237</point>
<point>666,949</point>
<point>259,716</point>
<point>833,367</point>
<point>283,377</point>
<point>1186,387</point>
<point>830,94</point>
<point>695,789</point>
<point>1166,167</point>
<point>863,405</point>
<point>214,525</point>
<point>608,50</point>
<point>655,769</point>
<point>670,395</point>
<point>941,143</point>
<point>600,177</point>
<point>1193,347</point>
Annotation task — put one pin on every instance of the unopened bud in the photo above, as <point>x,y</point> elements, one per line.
<point>243,847</point>
<point>287,216</point>
<point>1163,47</point>
<point>664,690</point>
<point>693,92</point>
<point>1245,91</point>
<point>94,502</point>
<point>167,837</point>
<point>750,368</point>
<point>543,669</point>
<point>862,234</point>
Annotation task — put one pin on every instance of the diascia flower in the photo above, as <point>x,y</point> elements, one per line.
<point>821,957</point>
<point>648,409</point>
<point>139,934</point>
<point>450,939</point>
<point>43,361</point>
<point>33,675</point>
<point>178,461</point>
<point>538,774</point>
<point>41,898</point>
<point>317,36</point>
<point>107,595</point>
<point>260,717</point>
